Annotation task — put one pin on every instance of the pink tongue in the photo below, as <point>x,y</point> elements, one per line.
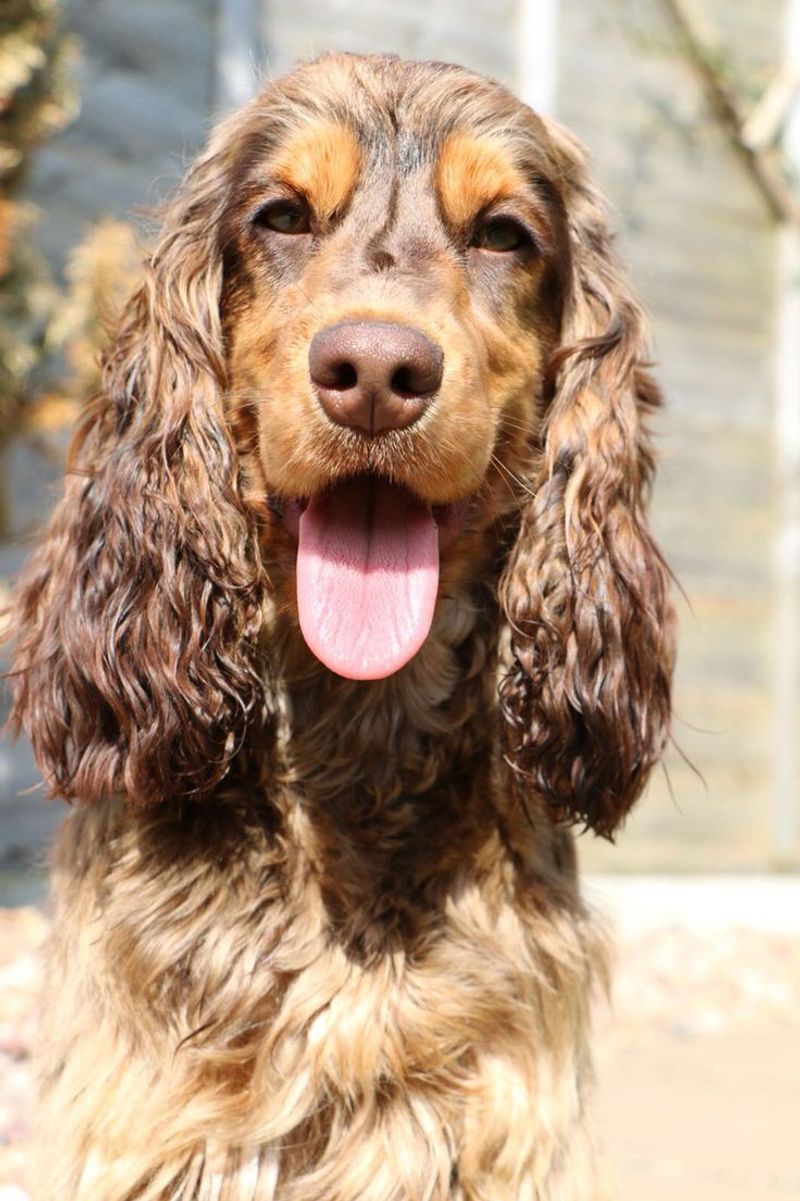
<point>367,577</point>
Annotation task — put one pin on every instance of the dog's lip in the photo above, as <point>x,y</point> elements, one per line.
<point>449,517</point>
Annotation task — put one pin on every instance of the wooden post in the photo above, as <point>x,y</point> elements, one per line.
<point>537,60</point>
<point>786,681</point>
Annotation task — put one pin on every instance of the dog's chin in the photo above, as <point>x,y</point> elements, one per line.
<point>367,571</point>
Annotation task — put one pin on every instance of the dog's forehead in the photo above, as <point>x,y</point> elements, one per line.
<point>327,160</point>
<point>401,114</point>
<point>347,124</point>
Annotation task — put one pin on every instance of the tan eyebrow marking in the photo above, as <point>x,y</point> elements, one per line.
<point>473,172</point>
<point>322,162</point>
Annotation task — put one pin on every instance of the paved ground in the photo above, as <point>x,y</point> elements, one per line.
<point>698,1062</point>
<point>710,1118</point>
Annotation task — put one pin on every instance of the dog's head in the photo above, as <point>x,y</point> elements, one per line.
<point>382,328</point>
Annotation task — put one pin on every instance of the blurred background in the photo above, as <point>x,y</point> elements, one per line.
<point>691,111</point>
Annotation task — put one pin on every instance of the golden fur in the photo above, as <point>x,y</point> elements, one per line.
<point>317,939</point>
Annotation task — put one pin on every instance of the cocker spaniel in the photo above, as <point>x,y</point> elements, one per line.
<point>349,611</point>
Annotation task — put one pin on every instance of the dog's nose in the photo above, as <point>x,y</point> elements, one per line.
<point>374,375</point>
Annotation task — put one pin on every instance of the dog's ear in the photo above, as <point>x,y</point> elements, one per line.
<point>136,667</point>
<point>586,590</point>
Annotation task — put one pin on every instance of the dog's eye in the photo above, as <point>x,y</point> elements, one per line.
<point>500,234</point>
<point>283,217</point>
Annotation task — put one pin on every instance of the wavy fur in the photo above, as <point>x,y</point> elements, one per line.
<point>315,938</point>
<point>586,589</point>
<point>137,669</point>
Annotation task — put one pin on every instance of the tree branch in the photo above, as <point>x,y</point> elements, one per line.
<point>762,163</point>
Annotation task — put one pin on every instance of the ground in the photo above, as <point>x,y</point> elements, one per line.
<point>698,1057</point>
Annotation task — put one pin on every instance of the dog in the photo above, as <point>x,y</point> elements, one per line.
<point>349,613</point>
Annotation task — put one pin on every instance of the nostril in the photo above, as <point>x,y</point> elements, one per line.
<point>330,371</point>
<point>402,383</point>
<point>342,376</point>
<point>421,377</point>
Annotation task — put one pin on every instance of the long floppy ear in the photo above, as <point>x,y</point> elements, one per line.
<point>136,668</point>
<point>586,590</point>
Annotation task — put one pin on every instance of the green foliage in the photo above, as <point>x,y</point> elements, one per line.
<point>37,98</point>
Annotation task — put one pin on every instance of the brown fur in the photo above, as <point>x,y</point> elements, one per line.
<point>473,173</point>
<point>318,939</point>
<point>322,163</point>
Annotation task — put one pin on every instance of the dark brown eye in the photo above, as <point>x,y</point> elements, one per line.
<point>500,234</point>
<point>284,217</point>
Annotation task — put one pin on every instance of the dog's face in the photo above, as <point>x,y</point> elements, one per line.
<point>396,263</point>
<point>443,233</point>
<point>383,334</point>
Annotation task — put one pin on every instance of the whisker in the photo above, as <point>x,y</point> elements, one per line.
<point>511,476</point>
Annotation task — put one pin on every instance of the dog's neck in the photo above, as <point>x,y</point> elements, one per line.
<point>397,737</point>
<point>385,787</point>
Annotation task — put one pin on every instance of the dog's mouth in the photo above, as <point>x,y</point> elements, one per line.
<point>368,572</point>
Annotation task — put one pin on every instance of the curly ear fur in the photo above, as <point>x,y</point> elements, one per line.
<point>586,590</point>
<point>136,668</point>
